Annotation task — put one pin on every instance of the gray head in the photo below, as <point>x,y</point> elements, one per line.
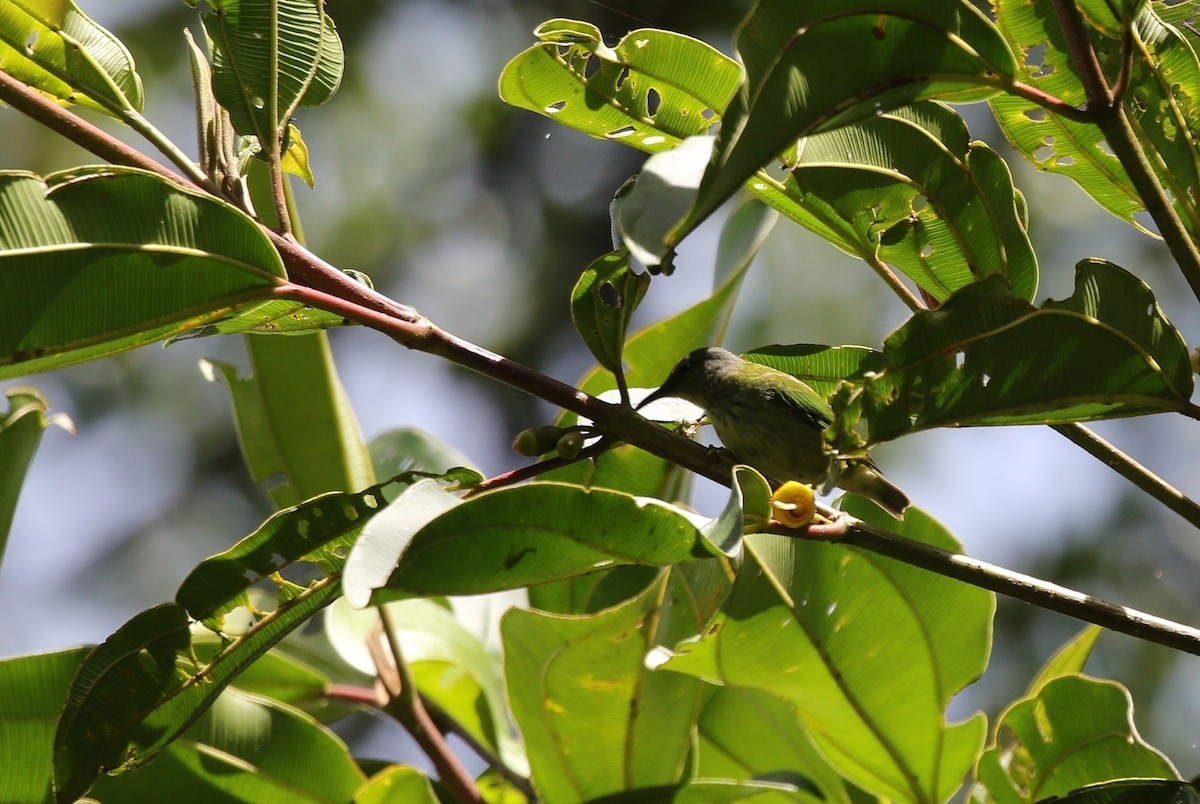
<point>692,377</point>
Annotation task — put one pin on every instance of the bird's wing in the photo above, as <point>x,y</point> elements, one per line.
<point>806,402</point>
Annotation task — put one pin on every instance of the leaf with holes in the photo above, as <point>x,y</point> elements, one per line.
<point>596,720</point>
<point>866,650</point>
<point>148,668</point>
<point>650,91</point>
<point>55,48</point>
<point>812,67</point>
<point>95,261</point>
<point>269,57</point>
<point>981,359</point>
<point>1075,731</point>
<point>603,303</point>
<point>1162,95</point>
<point>909,188</point>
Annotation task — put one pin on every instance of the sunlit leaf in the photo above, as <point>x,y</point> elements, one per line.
<point>751,734</point>
<point>144,686</point>
<point>1161,99</point>
<point>300,42</point>
<point>595,720</point>
<point>297,430</point>
<point>245,748</point>
<point>451,667</point>
<point>911,189</point>
<point>868,651</point>
<point>99,260</point>
<point>1074,732</point>
<point>54,47</point>
<point>651,90</point>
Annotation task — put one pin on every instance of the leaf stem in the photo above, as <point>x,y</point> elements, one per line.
<point>406,706</point>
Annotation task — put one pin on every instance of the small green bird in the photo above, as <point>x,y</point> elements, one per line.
<point>772,421</point>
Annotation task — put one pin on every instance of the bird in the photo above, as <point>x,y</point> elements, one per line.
<point>772,421</point>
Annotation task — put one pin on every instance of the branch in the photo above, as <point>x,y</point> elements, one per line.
<point>1025,588</point>
<point>405,705</point>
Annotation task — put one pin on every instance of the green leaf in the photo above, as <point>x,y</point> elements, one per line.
<point>595,720</point>
<point>749,504</point>
<point>531,534</point>
<point>602,305</point>
<point>812,67</point>
<point>33,690</point>
<point>651,91</point>
<point>1069,660</point>
<point>245,748</point>
<point>398,784</point>
<point>54,47</point>
<point>264,64</point>
<point>297,430</point>
<point>980,358</point>
<point>910,189</point>
<point>21,426</point>
<point>95,261</point>
<point>1076,731</point>
<point>747,734</point>
<point>144,686</point>
<point>867,650</point>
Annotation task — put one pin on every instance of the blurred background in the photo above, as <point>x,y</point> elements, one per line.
<point>483,217</point>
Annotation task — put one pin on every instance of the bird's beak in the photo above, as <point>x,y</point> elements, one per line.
<point>662,393</point>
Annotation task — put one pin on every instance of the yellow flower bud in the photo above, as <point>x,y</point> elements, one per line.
<point>793,504</point>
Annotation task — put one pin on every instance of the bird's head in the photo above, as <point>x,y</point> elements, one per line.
<point>695,376</point>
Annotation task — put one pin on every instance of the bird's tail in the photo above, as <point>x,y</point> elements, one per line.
<point>865,479</point>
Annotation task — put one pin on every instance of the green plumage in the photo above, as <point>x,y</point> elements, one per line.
<point>772,421</point>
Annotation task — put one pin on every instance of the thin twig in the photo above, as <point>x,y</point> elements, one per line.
<point>449,724</point>
<point>540,468</point>
<point>406,706</point>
